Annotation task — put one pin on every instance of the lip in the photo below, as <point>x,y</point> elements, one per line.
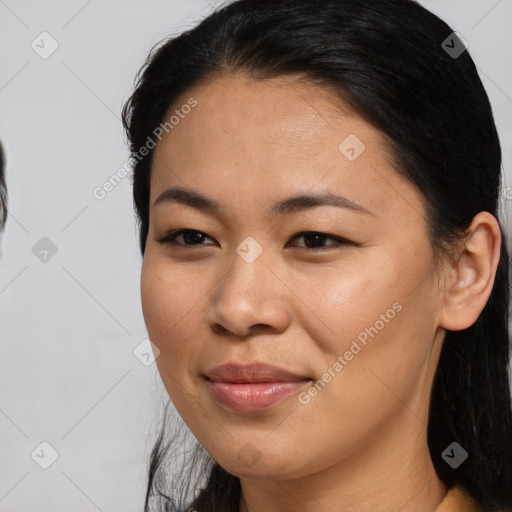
<point>252,373</point>
<point>253,387</point>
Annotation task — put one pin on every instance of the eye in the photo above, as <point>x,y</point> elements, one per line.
<point>189,235</point>
<point>314,240</point>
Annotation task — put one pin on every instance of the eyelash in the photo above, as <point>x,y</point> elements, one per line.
<point>170,239</point>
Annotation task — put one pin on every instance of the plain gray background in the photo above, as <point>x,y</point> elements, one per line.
<point>70,317</point>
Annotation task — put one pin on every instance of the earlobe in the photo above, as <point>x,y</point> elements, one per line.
<point>470,277</point>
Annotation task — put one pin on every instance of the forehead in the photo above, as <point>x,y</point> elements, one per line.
<point>261,140</point>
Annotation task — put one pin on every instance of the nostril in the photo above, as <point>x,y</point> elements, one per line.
<point>219,329</point>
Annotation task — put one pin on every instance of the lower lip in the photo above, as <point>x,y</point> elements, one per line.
<point>255,396</point>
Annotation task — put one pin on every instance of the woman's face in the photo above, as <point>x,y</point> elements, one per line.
<point>355,322</point>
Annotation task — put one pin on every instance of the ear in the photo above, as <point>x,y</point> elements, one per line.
<point>469,279</point>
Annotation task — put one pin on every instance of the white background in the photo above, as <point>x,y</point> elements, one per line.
<point>68,327</point>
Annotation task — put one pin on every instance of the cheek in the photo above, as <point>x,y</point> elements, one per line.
<point>375,329</point>
<point>167,305</point>
<point>167,295</point>
<point>155,300</point>
<point>341,303</point>
<point>381,354</point>
<point>168,302</point>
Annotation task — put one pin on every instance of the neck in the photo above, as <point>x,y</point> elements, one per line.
<point>394,472</point>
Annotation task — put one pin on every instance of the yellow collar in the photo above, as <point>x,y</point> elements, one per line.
<point>458,500</point>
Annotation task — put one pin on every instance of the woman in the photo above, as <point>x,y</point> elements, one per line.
<point>324,272</point>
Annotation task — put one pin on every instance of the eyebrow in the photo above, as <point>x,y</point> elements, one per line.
<point>286,206</point>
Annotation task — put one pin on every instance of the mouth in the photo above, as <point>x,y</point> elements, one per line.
<point>253,387</point>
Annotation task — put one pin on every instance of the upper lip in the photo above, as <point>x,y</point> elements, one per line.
<point>254,372</point>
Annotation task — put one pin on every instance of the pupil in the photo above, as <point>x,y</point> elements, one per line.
<point>310,236</point>
<point>189,237</point>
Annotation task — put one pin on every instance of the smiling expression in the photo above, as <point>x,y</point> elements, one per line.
<point>301,236</point>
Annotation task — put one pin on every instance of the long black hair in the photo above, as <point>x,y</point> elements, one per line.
<point>3,191</point>
<point>405,71</point>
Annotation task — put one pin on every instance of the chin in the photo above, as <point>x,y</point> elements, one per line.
<point>252,462</point>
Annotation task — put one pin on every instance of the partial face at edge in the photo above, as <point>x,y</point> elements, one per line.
<point>249,145</point>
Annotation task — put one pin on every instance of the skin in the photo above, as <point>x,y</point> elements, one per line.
<point>360,443</point>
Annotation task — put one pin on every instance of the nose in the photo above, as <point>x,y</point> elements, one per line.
<point>250,298</point>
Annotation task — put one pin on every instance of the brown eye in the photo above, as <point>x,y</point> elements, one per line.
<point>191,237</point>
<point>314,240</point>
